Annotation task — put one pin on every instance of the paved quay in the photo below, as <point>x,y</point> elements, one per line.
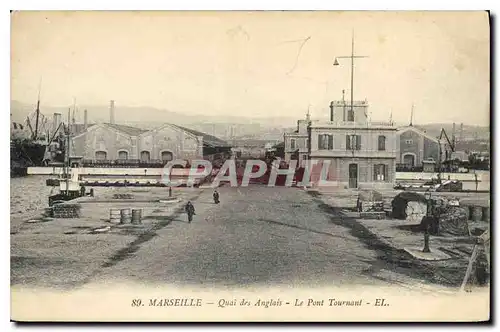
<point>257,236</point>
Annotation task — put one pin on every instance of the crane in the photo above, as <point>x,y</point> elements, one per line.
<point>451,145</point>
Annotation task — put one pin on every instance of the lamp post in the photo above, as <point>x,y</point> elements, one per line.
<point>352,57</point>
<point>426,224</point>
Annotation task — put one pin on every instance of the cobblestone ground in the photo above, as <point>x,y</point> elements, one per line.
<point>257,236</point>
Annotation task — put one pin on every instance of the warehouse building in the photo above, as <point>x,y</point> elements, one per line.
<point>415,147</point>
<point>109,141</point>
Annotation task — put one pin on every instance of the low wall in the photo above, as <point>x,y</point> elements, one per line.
<point>109,171</point>
<point>421,176</point>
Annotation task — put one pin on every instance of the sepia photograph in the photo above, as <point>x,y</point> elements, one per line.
<point>258,166</point>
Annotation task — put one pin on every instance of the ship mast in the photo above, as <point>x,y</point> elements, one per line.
<point>66,157</point>
<point>35,136</point>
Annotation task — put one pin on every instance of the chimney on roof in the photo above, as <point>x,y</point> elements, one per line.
<point>85,120</point>
<point>112,112</point>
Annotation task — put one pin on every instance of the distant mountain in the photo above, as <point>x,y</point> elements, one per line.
<point>146,116</point>
<point>222,126</point>
<point>469,132</point>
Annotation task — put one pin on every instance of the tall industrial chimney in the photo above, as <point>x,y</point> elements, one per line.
<point>112,112</point>
<point>85,120</point>
<point>461,137</point>
<point>331,111</point>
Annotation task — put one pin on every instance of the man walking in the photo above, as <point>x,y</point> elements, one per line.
<point>190,211</point>
<point>216,197</point>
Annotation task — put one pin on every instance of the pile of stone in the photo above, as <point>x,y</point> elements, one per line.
<point>450,220</point>
<point>371,201</point>
<point>415,211</point>
<point>409,203</point>
<point>66,211</point>
<point>372,206</point>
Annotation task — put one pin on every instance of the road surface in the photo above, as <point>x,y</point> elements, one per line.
<point>257,236</point>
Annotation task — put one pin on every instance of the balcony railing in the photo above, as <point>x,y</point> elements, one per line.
<point>352,124</point>
<point>355,153</point>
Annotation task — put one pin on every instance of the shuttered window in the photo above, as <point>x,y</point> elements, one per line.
<point>325,142</point>
<point>353,142</point>
<point>381,143</point>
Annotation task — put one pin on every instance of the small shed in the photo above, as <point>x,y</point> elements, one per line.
<point>429,166</point>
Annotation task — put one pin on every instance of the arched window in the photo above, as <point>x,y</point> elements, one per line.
<point>381,143</point>
<point>167,156</point>
<point>122,155</point>
<point>100,155</point>
<point>145,156</point>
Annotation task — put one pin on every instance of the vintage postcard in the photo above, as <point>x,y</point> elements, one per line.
<point>194,166</point>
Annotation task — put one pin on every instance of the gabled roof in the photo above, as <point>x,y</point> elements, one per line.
<point>418,131</point>
<point>207,139</point>
<point>129,130</point>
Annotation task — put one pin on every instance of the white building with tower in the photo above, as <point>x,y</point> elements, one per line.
<point>360,153</point>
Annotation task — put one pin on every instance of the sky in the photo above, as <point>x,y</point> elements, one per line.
<point>260,64</point>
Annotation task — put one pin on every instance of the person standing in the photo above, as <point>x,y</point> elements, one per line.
<point>216,197</point>
<point>190,211</point>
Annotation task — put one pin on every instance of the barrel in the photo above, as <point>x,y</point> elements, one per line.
<point>486,213</point>
<point>114,216</point>
<point>125,216</point>
<point>136,216</point>
<point>477,213</point>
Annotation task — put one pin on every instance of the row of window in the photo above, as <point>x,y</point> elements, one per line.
<point>145,155</point>
<point>352,142</point>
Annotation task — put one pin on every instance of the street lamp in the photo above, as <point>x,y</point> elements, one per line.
<point>352,57</point>
<point>427,222</point>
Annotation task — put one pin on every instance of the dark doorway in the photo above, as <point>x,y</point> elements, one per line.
<point>409,160</point>
<point>353,175</point>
